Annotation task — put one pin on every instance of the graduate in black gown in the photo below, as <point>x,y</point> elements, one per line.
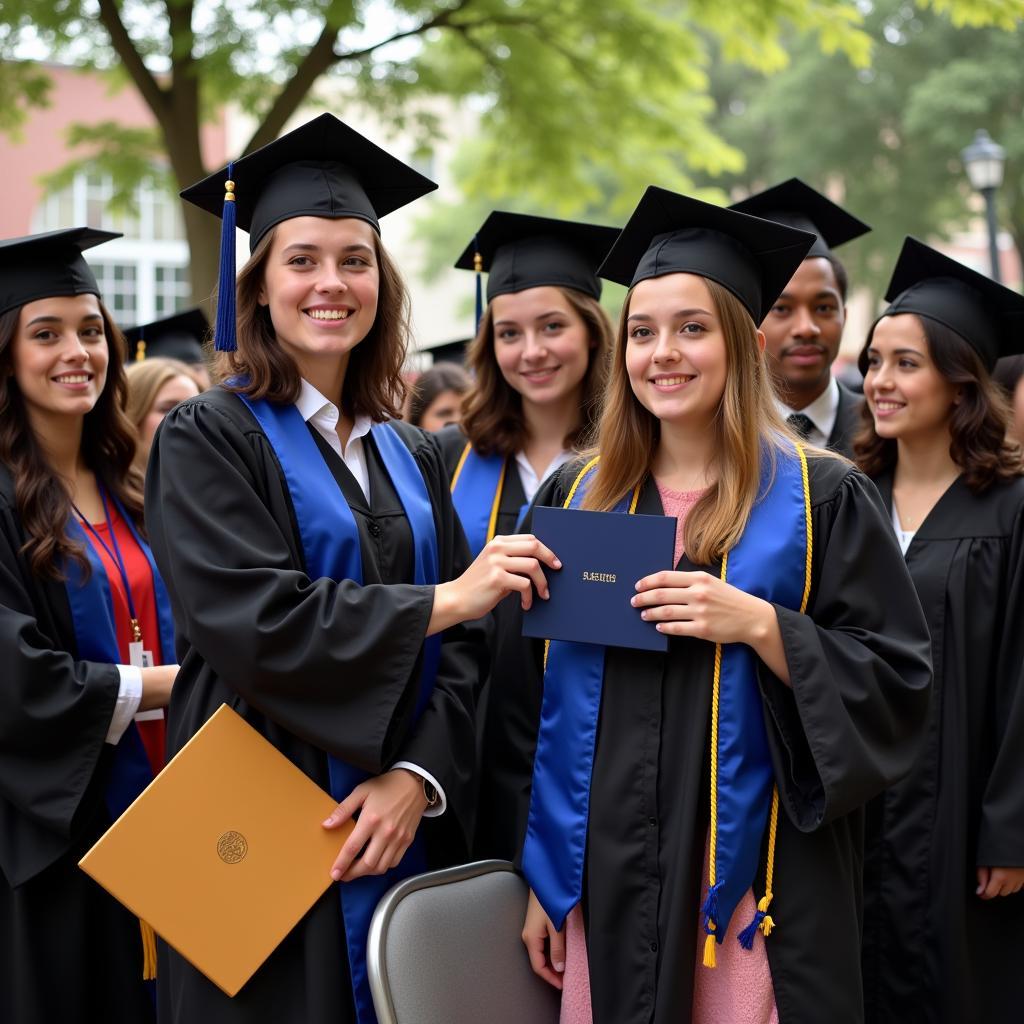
<point>804,328</point>
<point>944,921</point>
<point>685,862</point>
<point>77,587</point>
<point>318,573</point>
<point>539,363</point>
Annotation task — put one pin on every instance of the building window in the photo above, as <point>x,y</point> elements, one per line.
<point>144,275</point>
<point>117,283</point>
<point>172,290</point>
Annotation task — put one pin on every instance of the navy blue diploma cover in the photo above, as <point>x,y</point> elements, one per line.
<point>603,556</point>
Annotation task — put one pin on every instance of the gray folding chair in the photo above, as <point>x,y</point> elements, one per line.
<point>445,948</point>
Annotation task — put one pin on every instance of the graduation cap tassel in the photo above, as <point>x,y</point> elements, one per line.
<point>148,951</point>
<point>140,350</point>
<point>478,267</point>
<point>224,330</point>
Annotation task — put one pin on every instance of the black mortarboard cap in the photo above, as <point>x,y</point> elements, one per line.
<point>39,266</point>
<point>180,337</point>
<point>670,233</point>
<point>320,169</point>
<point>520,251</point>
<point>797,205</point>
<point>987,315</point>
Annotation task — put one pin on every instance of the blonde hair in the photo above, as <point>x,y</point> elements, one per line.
<point>144,381</point>
<point>747,427</point>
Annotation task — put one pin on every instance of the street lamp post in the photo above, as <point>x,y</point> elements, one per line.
<point>983,160</point>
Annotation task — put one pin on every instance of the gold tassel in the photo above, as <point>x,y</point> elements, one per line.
<point>148,951</point>
<point>709,950</point>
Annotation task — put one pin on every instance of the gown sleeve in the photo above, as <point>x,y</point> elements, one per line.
<point>860,665</point>
<point>1001,834</point>
<point>334,663</point>
<point>443,740</point>
<point>54,710</point>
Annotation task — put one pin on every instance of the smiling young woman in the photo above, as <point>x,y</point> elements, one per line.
<point>79,600</point>
<point>321,584</point>
<point>539,362</point>
<point>727,776</point>
<point>945,852</point>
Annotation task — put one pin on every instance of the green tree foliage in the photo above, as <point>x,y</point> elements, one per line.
<point>581,102</point>
<point>572,93</point>
<point>890,135</point>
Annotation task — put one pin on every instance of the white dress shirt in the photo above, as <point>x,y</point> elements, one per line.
<point>528,475</point>
<point>822,412</point>
<point>903,536</point>
<point>323,415</point>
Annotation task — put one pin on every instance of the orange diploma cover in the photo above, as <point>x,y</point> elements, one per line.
<point>224,851</point>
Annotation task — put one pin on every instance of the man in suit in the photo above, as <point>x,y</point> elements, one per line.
<point>805,326</point>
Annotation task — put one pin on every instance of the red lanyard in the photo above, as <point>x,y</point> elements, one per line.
<point>115,557</point>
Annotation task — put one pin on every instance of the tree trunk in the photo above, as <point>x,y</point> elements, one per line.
<point>203,234</point>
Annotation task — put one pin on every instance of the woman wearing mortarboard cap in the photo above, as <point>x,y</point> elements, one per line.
<point>944,913</point>
<point>709,862</point>
<point>321,582</point>
<point>539,361</point>
<point>85,626</point>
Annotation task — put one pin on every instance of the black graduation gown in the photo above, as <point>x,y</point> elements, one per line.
<point>317,667</point>
<point>848,421</point>
<point>69,952</point>
<point>509,706</point>
<point>934,951</point>
<point>849,726</point>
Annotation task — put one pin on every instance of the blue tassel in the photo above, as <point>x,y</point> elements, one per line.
<point>710,909</point>
<point>224,330</point>
<point>478,266</point>
<point>749,933</point>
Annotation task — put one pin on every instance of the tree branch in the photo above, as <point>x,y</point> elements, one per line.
<point>319,58</point>
<point>147,85</point>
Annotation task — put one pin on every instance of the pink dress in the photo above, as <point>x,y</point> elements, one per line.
<point>739,989</point>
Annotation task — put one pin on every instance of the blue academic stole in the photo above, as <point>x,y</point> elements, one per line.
<point>92,616</point>
<point>476,494</point>
<point>771,560</point>
<point>330,545</point>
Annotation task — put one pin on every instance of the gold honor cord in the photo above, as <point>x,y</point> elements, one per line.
<point>767,924</point>
<point>458,468</point>
<point>492,523</point>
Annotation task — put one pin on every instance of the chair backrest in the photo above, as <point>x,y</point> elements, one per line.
<point>445,948</point>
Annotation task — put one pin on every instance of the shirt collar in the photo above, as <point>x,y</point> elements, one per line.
<point>313,405</point>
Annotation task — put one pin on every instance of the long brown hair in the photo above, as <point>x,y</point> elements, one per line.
<point>108,447</point>
<point>746,425</point>
<point>977,423</point>
<point>373,382</point>
<point>492,411</point>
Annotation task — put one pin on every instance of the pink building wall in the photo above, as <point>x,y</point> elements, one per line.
<point>77,97</point>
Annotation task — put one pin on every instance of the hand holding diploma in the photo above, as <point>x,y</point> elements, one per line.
<point>390,807</point>
<point>700,605</point>
<point>506,565</point>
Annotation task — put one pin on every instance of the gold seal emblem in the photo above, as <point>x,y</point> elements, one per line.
<point>232,847</point>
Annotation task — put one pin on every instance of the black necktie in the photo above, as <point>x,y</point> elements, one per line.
<point>803,425</point>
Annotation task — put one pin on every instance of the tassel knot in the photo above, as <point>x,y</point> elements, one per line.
<point>746,937</point>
